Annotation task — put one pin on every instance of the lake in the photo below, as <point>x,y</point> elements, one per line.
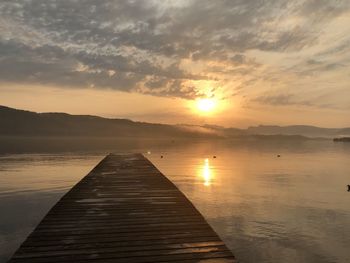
<point>292,208</point>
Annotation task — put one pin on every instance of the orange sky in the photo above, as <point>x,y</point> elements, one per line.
<point>116,104</point>
<point>282,62</point>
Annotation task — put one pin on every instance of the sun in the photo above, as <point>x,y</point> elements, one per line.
<point>206,105</point>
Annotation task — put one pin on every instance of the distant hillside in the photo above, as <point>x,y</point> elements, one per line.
<point>342,139</point>
<point>15,122</point>
<point>26,123</point>
<point>304,130</point>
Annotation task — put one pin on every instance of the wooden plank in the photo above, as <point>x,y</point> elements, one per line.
<point>124,210</point>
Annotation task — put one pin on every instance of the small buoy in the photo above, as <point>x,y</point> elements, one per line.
<point>278,155</point>
<point>161,156</point>
<point>149,152</point>
<point>214,156</point>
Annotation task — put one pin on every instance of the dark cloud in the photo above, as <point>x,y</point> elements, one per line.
<point>140,45</point>
<point>281,100</point>
<point>239,59</point>
<point>313,66</point>
<point>294,100</point>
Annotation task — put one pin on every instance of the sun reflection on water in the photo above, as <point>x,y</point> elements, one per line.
<point>206,173</point>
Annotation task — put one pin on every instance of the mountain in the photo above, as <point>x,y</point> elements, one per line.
<point>304,130</point>
<point>26,123</point>
<point>14,122</point>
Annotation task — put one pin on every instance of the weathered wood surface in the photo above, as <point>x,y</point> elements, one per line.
<point>124,210</point>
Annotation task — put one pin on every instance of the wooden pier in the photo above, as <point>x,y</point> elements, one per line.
<point>124,210</point>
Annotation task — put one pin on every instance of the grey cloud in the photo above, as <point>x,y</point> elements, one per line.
<point>312,66</point>
<point>294,100</point>
<point>144,42</point>
<point>52,65</point>
<point>323,9</point>
<point>172,88</point>
<point>280,100</point>
<point>313,62</point>
<point>238,58</point>
<point>333,66</point>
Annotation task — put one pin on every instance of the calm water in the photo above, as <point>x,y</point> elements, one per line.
<point>267,209</point>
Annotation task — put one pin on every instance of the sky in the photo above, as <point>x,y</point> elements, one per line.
<point>262,62</point>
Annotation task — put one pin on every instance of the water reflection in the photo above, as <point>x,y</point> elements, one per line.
<point>206,173</point>
<point>265,208</point>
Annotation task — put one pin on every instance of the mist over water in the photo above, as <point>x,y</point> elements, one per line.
<point>292,208</point>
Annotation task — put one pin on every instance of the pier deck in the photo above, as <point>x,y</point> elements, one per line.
<point>124,210</point>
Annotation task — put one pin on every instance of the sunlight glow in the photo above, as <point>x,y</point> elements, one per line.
<point>206,173</point>
<point>206,105</point>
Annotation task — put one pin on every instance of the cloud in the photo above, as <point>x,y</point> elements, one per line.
<point>280,100</point>
<point>162,48</point>
<point>287,100</point>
